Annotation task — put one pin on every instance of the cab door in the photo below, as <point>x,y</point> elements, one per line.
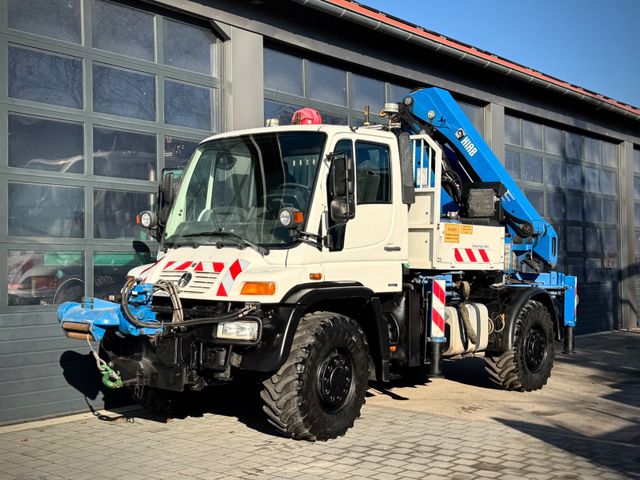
<point>369,248</point>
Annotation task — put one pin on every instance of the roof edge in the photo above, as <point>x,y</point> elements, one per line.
<point>379,21</point>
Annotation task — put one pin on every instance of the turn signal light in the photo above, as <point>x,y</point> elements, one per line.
<point>315,276</point>
<point>258,288</point>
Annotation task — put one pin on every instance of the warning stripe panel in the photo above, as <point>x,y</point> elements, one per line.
<point>471,255</point>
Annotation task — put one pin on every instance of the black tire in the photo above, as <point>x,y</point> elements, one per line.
<point>528,365</point>
<point>318,393</point>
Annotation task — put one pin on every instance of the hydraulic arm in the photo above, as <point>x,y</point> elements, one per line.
<point>471,160</point>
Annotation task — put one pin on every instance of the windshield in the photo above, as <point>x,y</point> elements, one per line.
<point>234,188</point>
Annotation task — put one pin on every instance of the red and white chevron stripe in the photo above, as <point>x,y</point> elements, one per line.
<point>230,276</point>
<point>438,297</point>
<point>471,255</point>
<point>204,267</point>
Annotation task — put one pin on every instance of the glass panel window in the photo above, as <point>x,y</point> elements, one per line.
<point>512,164</point>
<point>531,135</point>
<point>592,209</point>
<point>592,150</point>
<point>636,211</point>
<point>593,267</point>
<point>397,93</point>
<point>574,176</point>
<point>575,239</point>
<point>45,278</point>
<point>177,151</point>
<point>42,77</point>
<point>282,72</point>
<point>609,154</point>
<point>118,153</point>
<point>110,270</point>
<point>575,266</point>
<point>610,241</point>
<point>592,240</point>
<point>373,176</point>
<point>555,205</point>
<point>512,130</point>
<point>187,105</point>
<point>591,179</point>
<point>44,144</point>
<point>327,84</point>
<point>531,169</point>
<point>188,47</point>
<point>123,30</point>
<point>474,113</point>
<point>553,140</point>
<point>554,173</point>
<point>115,213</point>
<point>636,160</point>
<point>124,92</point>
<point>366,91</point>
<point>610,211</point>
<point>609,182</point>
<point>45,211</point>
<point>574,145</point>
<point>59,19</point>
<point>574,207</point>
<point>284,112</point>
<point>536,197</point>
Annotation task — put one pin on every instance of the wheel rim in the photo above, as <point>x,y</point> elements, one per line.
<point>535,350</point>
<point>335,376</point>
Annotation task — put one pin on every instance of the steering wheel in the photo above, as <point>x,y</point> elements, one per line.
<point>294,185</point>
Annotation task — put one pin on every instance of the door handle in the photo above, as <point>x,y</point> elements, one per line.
<point>392,248</point>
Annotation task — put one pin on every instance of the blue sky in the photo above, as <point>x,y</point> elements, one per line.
<point>591,43</point>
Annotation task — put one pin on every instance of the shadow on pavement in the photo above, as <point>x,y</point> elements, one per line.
<point>604,450</point>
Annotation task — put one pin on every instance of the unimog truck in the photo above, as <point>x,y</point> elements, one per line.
<point>313,258</point>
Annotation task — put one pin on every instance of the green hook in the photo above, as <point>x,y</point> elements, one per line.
<point>110,378</point>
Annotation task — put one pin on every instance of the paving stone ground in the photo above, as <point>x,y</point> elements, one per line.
<point>226,437</point>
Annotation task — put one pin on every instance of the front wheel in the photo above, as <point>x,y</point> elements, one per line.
<point>318,393</point>
<point>528,365</point>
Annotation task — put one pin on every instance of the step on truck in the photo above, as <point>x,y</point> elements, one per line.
<point>314,258</point>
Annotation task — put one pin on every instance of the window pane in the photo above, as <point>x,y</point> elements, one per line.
<point>553,140</point>
<point>45,211</point>
<point>118,153</point>
<point>575,239</point>
<point>609,154</point>
<point>592,150</point>
<point>59,19</point>
<point>124,92</point>
<point>574,207</point>
<point>177,151</point>
<point>636,211</point>
<point>554,172</point>
<point>592,209</point>
<point>575,266</point>
<point>123,30</point>
<point>592,240</point>
<point>512,130</point>
<point>555,205</point>
<point>591,179</point>
<point>44,144</point>
<point>282,72</point>
<point>531,135</point>
<point>574,145</point>
<point>373,177</point>
<point>187,105</point>
<point>574,176</point>
<point>474,113</point>
<point>610,211</point>
<point>45,278</point>
<point>636,160</point>
<point>366,91</point>
<point>397,93</point>
<point>115,213</point>
<point>327,84</point>
<point>610,241</point>
<point>189,47</point>
<point>536,197</point>
<point>42,77</point>
<point>512,164</point>
<point>593,267</point>
<point>609,182</point>
<point>110,270</point>
<point>532,169</point>
<point>284,111</point>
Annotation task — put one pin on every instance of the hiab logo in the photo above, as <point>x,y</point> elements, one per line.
<point>466,142</point>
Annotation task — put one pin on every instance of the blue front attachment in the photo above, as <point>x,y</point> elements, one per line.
<point>102,315</point>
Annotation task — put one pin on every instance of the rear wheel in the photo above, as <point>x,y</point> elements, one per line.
<point>528,365</point>
<point>318,393</point>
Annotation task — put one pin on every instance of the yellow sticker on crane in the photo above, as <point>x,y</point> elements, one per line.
<point>467,229</point>
<point>452,232</point>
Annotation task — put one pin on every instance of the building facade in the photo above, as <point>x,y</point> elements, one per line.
<point>98,96</point>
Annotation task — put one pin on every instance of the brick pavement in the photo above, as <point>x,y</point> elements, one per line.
<point>386,444</point>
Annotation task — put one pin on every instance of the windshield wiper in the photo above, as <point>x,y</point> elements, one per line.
<point>243,241</point>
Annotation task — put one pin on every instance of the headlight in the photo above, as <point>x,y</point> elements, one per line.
<point>241,330</point>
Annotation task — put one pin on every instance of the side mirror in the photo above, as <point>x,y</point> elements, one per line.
<point>166,194</point>
<point>343,206</point>
<point>168,185</point>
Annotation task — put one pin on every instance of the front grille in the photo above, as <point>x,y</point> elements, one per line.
<point>200,283</point>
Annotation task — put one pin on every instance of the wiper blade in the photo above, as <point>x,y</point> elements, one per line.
<point>243,241</point>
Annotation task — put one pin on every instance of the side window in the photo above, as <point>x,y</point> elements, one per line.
<point>373,174</point>
<point>336,232</point>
